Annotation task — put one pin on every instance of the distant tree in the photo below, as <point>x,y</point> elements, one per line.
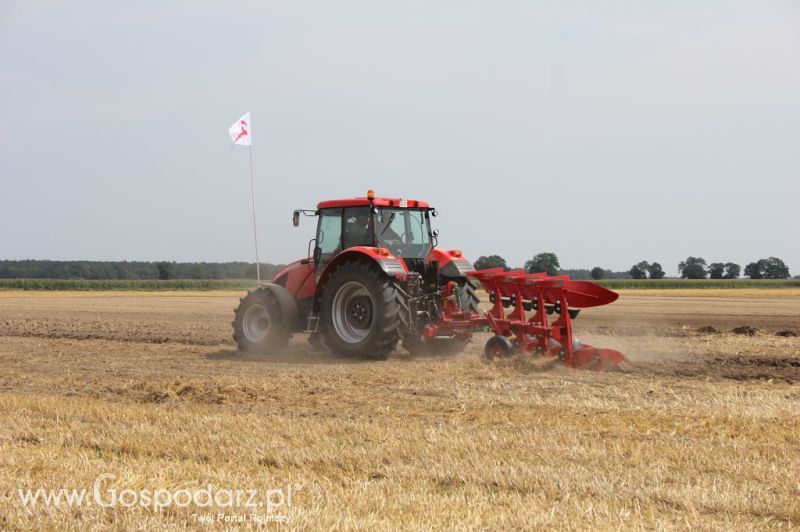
<point>597,273</point>
<point>656,271</point>
<point>543,262</point>
<point>755,270</point>
<point>199,271</point>
<point>639,271</point>
<point>491,261</point>
<point>166,270</point>
<point>732,270</point>
<point>716,270</point>
<point>579,274</point>
<point>250,272</point>
<point>771,268</point>
<point>693,268</point>
<point>775,268</point>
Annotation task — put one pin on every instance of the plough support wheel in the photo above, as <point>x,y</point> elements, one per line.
<point>498,346</point>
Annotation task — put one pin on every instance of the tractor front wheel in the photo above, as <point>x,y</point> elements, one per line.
<point>359,313</point>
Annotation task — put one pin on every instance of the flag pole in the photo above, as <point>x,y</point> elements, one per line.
<point>253,198</point>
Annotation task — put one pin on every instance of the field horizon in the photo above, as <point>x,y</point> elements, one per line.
<point>48,284</point>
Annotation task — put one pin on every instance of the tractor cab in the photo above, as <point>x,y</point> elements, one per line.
<point>392,231</point>
<point>401,227</point>
<point>395,233</point>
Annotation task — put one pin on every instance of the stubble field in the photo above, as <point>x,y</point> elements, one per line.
<point>699,430</point>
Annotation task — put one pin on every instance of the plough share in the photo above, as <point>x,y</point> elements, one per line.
<point>540,296</point>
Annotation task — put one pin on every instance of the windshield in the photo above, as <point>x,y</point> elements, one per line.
<point>404,232</point>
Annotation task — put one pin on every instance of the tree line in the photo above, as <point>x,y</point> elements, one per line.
<point>548,262</point>
<point>691,268</point>
<point>697,268</point>
<point>136,270</point>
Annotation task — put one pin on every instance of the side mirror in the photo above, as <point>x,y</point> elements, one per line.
<point>296,218</point>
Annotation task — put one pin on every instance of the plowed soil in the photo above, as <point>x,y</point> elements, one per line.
<point>659,334</point>
<point>151,387</point>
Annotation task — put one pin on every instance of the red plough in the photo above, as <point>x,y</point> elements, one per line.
<point>539,296</point>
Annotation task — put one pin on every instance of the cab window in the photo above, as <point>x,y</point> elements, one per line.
<point>404,232</point>
<point>329,232</point>
<point>358,230</point>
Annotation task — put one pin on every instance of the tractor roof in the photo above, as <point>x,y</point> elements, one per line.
<point>378,202</point>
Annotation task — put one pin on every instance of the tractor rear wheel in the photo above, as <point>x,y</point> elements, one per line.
<point>469,299</point>
<point>359,313</point>
<point>259,323</point>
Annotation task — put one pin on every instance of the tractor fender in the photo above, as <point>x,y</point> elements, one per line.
<point>452,263</point>
<point>287,303</point>
<point>297,277</point>
<point>391,265</point>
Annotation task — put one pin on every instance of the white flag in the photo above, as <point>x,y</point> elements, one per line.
<point>240,132</point>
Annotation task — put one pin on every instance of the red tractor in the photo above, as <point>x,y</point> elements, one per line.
<point>376,277</point>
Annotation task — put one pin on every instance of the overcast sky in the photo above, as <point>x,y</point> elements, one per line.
<point>606,132</point>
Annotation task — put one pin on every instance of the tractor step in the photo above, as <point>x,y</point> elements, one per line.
<point>312,322</point>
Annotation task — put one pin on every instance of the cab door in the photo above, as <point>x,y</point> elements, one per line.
<point>329,238</point>
<point>358,228</point>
